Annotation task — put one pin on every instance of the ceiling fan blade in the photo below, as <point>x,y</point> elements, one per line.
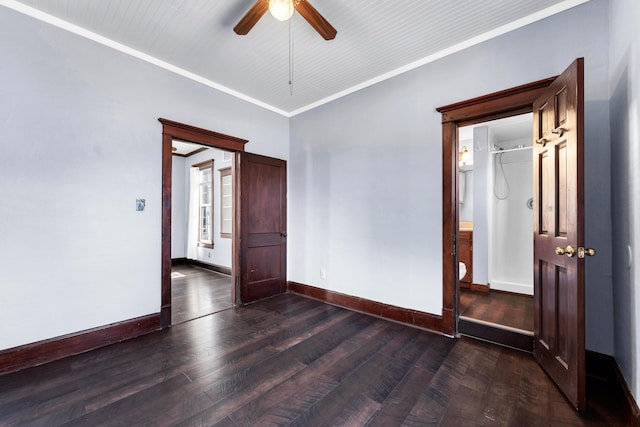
<point>317,21</point>
<point>251,17</point>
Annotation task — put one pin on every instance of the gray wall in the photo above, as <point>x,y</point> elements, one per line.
<point>481,219</point>
<point>179,213</point>
<point>365,171</point>
<point>625,183</point>
<point>80,141</point>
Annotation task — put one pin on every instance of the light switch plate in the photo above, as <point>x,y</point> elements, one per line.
<point>140,204</point>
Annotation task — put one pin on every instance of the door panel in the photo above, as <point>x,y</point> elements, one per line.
<point>559,231</point>
<point>262,207</point>
<point>562,191</point>
<point>263,196</point>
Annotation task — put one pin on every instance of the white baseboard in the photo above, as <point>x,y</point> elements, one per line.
<point>519,288</point>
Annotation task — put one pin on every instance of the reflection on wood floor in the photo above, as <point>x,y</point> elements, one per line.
<point>290,360</point>
<point>196,292</point>
<point>503,308</point>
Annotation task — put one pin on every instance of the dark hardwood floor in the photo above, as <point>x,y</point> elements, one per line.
<point>196,292</point>
<point>503,308</point>
<point>290,360</point>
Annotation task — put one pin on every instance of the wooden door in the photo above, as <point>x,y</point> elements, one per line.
<point>559,232</point>
<point>466,256</point>
<point>262,207</point>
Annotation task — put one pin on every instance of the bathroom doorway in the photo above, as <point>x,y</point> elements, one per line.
<point>495,197</point>
<point>557,104</point>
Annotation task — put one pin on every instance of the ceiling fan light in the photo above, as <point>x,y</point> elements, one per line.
<point>281,9</point>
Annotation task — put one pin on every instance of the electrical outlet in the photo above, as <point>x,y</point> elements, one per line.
<point>323,273</point>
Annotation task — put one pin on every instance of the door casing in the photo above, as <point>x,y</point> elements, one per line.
<point>171,130</point>
<point>498,105</point>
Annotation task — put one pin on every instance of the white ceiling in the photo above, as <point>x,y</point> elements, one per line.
<point>510,130</point>
<point>186,149</point>
<point>376,40</point>
<point>514,128</point>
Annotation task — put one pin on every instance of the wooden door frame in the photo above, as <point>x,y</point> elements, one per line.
<point>171,130</point>
<point>497,105</point>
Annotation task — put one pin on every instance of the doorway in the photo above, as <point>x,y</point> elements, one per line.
<point>172,131</point>
<point>507,103</point>
<point>201,231</point>
<point>259,238</point>
<point>495,247</point>
<point>559,252</point>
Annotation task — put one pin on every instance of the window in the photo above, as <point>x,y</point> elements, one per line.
<point>226,203</point>
<point>205,211</point>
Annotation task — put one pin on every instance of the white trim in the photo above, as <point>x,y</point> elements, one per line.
<point>518,288</point>
<point>50,19</point>
<point>45,17</point>
<point>544,13</point>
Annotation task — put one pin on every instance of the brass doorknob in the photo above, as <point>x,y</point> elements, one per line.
<point>586,251</point>
<point>568,251</point>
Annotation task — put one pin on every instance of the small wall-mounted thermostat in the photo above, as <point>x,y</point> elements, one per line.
<point>139,204</point>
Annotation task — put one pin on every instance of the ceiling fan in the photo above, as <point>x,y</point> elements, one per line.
<point>282,10</point>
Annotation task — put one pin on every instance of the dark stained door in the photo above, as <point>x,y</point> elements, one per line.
<point>262,205</point>
<point>559,232</point>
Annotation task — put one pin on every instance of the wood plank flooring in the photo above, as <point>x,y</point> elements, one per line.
<point>294,361</point>
<point>503,308</point>
<point>197,292</point>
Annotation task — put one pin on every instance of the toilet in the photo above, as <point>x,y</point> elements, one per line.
<point>462,268</point>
